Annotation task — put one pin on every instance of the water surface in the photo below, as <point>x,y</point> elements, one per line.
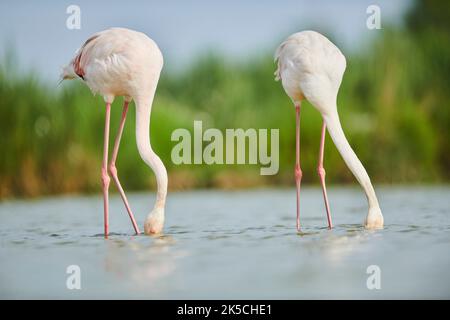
<point>240,244</point>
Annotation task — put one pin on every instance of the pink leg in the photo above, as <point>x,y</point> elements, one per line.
<point>113,169</point>
<point>321,172</point>
<point>298,170</point>
<point>105,177</point>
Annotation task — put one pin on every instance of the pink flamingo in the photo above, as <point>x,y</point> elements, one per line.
<point>311,67</point>
<point>123,62</point>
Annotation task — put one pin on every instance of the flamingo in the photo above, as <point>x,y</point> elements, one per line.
<point>311,67</point>
<point>123,62</point>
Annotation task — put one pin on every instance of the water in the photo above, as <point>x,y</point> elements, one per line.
<point>240,244</point>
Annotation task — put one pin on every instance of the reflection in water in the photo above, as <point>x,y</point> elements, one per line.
<point>347,240</point>
<point>337,244</point>
<point>143,263</point>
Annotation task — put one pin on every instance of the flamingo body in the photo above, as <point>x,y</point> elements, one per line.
<point>118,62</point>
<point>310,66</point>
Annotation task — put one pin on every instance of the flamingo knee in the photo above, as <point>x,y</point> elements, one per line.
<point>298,172</point>
<point>112,169</point>
<point>105,179</point>
<point>321,172</point>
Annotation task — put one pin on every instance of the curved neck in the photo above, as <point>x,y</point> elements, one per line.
<point>353,163</point>
<point>143,110</point>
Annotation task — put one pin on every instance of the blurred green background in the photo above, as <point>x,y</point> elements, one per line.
<point>393,103</point>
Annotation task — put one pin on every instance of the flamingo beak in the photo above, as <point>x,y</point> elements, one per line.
<point>60,81</point>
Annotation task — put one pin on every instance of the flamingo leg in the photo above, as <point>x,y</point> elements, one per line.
<point>105,177</point>
<point>113,170</point>
<point>321,172</point>
<point>298,170</point>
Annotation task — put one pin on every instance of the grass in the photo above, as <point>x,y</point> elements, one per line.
<point>393,103</point>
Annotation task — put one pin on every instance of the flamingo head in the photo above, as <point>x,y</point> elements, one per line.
<point>155,221</point>
<point>67,73</point>
<point>374,219</point>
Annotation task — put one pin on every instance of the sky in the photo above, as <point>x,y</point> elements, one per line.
<point>184,30</point>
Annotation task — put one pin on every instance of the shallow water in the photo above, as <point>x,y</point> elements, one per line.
<point>240,244</point>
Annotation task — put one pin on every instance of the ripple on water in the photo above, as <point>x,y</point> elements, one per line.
<point>235,243</point>
<point>217,237</point>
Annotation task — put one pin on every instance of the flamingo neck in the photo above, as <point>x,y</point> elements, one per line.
<point>353,163</point>
<point>143,110</point>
